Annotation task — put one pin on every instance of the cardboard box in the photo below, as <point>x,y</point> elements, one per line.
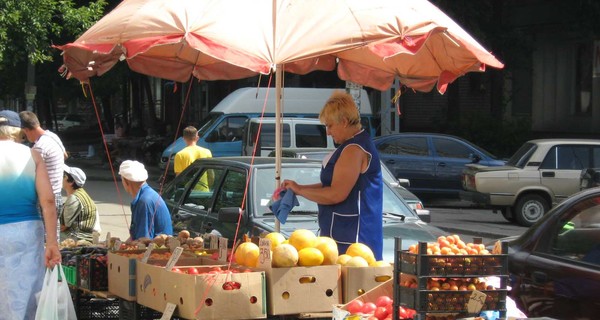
<point>122,269</point>
<point>358,280</point>
<point>213,298</point>
<point>386,288</point>
<point>298,290</point>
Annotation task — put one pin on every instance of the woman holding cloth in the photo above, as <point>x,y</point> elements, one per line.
<point>350,195</point>
<point>24,182</point>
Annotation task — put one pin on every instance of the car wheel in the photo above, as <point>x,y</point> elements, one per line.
<point>508,215</point>
<point>530,208</point>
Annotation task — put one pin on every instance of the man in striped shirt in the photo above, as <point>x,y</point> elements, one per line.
<point>49,145</point>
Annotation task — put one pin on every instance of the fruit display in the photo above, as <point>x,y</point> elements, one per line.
<point>304,248</point>
<point>444,276</point>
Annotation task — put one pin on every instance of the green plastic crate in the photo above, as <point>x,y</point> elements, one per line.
<point>70,274</point>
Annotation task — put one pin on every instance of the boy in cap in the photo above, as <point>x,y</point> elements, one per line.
<point>79,218</point>
<point>149,214</point>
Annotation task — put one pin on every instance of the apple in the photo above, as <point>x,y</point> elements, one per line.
<point>380,313</point>
<point>368,308</point>
<point>383,301</point>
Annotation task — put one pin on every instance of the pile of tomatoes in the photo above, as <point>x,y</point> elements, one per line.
<point>381,309</point>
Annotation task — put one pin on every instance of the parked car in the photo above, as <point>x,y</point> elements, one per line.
<point>69,120</point>
<point>217,208</point>
<point>539,175</point>
<point>555,265</point>
<point>433,163</point>
<point>398,184</point>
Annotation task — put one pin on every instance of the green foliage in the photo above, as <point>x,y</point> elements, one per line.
<point>28,28</point>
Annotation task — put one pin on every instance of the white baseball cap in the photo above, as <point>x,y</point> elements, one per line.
<point>77,174</point>
<point>133,171</point>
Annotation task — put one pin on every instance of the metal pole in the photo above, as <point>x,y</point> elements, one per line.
<point>278,132</point>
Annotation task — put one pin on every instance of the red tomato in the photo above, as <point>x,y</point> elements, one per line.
<point>192,271</point>
<point>383,301</point>
<point>354,306</point>
<point>389,308</point>
<point>380,313</point>
<point>368,308</point>
<point>176,270</point>
<point>403,313</point>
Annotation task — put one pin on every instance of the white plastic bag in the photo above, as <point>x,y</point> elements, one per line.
<point>55,299</point>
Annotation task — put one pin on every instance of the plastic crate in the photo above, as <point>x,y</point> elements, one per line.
<point>97,308</point>
<point>453,266</point>
<point>448,300</point>
<point>131,310</point>
<point>93,272</point>
<point>70,274</point>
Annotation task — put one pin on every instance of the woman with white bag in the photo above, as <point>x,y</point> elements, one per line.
<point>24,255</point>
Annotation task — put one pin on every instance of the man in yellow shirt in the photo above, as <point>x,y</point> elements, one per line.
<point>191,153</point>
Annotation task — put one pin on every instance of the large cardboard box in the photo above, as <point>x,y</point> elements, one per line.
<point>215,295</point>
<point>358,280</point>
<point>298,290</point>
<point>122,269</point>
<point>150,291</point>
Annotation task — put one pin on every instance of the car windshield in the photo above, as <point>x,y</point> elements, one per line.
<point>207,123</point>
<point>264,181</point>
<point>521,157</point>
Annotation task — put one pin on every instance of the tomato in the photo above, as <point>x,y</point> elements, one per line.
<point>403,314</point>
<point>192,271</point>
<point>389,308</point>
<point>380,313</point>
<point>383,301</point>
<point>354,306</point>
<point>176,270</point>
<point>368,308</point>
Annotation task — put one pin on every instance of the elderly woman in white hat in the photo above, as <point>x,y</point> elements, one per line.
<point>149,213</point>
<point>24,182</point>
<point>79,217</point>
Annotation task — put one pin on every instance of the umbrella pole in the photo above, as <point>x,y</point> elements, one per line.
<point>278,132</point>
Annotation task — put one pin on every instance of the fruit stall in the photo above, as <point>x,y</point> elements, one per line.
<point>303,276</point>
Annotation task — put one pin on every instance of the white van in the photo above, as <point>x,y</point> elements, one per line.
<point>304,133</point>
<point>222,130</point>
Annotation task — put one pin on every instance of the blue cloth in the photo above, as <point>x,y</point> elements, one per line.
<point>149,215</point>
<point>282,207</point>
<point>359,217</point>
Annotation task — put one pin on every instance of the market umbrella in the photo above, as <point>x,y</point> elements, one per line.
<point>371,43</point>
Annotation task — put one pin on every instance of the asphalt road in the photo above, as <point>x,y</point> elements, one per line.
<point>113,205</point>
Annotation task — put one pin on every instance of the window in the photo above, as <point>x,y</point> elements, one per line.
<point>411,146</point>
<point>202,189</point>
<point>451,149</point>
<point>267,135</point>
<point>175,191</point>
<point>579,236</point>
<point>232,190</point>
<point>567,158</point>
<point>231,129</point>
<point>310,135</point>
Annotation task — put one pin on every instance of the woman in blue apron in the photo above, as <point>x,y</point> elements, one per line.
<point>350,195</point>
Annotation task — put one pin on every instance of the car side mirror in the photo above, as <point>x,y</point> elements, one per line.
<point>424,215</point>
<point>230,215</point>
<point>404,182</point>
<point>475,158</point>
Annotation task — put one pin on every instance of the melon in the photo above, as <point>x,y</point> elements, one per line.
<point>285,256</point>
<point>246,254</point>
<point>328,248</point>
<point>303,238</point>
<point>358,249</point>
<point>310,257</point>
<point>357,262</point>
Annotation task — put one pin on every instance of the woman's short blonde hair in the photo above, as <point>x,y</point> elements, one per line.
<point>11,133</point>
<point>339,107</point>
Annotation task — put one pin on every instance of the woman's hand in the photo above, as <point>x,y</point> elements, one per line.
<point>292,185</point>
<point>52,256</point>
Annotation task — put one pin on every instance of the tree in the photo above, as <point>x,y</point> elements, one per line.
<point>29,28</point>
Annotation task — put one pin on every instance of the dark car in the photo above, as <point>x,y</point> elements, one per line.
<point>433,163</point>
<point>555,264</point>
<point>201,208</point>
